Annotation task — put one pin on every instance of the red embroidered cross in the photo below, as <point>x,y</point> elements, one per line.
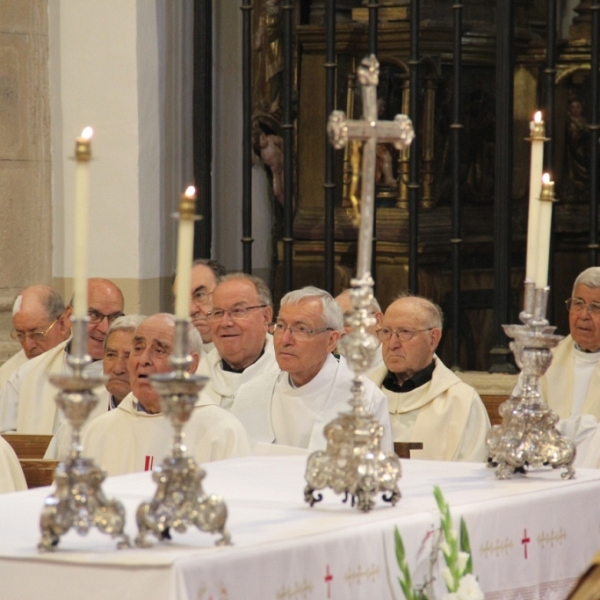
<point>525,541</point>
<point>148,462</point>
<point>328,578</point>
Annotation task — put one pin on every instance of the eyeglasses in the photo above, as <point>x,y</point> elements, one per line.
<point>577,305</point>
<point>236,313</point>
<point>404,335</point>
<point>96,317</point>
<point>34,336</point>
<point>200,297</point>
<point>300,332</point>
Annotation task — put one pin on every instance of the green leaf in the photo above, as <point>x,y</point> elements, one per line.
<point>400,552</point>
<point>465,545</point>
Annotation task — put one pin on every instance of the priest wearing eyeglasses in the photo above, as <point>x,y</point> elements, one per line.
<point>239,319</point>
<point>571,385</point>
<point>290,407</point>
<point>427,402</point>
<point>29,393</point>
<point>40,322</point>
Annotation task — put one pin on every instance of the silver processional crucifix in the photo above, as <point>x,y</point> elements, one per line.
<point>353,462</point>
<point>398,132</point>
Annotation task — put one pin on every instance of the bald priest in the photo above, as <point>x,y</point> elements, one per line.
<point>135,436</point>
<point>428,403</point>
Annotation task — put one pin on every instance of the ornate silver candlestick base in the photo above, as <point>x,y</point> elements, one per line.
<point>78,500</point>
<point>179,500</point>
<point>353,462</point>
<point>528,437</point>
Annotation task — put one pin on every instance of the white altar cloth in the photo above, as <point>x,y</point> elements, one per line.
<point>530,536</point>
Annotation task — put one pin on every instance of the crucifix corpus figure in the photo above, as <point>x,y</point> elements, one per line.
<point>372,132</point>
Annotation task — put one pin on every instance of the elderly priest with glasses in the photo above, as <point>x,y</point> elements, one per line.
<point>291,406</point>
<point>428,403</point>
<point>571,385</point>
<point>40,322</point>
<point>30,395</point>
<point>239,319</point>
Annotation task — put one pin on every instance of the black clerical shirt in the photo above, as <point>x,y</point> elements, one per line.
<point>417,380</point>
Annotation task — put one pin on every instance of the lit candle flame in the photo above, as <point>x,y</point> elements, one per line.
<point>190,192</point>
<point>546,178</point>
<point>538,116</point>
<point>87,133</point>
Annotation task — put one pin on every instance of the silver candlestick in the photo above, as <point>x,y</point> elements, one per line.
<point>353,462</point>
<point>527,437</point>
<point>78,500</point>
<point>179,500</point>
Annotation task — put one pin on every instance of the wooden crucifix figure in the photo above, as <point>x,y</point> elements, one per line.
<point>398,132</point>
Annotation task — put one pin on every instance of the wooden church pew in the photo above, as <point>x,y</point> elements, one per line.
<point>28,446</point>
<point>38,472</point>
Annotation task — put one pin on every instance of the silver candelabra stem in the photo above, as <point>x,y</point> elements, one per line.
<point>527,437</point>
<point>179,500</point>
<point>353,463</point>
<point>78,500</point>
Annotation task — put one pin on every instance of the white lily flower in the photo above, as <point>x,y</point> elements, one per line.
<point>469,589</point>
<point>447,575</point>
<point>463,559</point>
<point>445,547</point>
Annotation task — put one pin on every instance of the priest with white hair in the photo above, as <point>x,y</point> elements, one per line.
<point>135,436</point>
<point>291,406</point>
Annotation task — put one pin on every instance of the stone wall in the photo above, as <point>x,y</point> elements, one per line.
<point>25,199</point>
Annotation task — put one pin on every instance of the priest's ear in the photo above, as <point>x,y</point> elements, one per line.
<point>436,336</point>
<point>195,362</point>
<point>333,339</point>
<point>379,318</point>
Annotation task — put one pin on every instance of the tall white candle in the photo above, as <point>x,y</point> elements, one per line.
<point>535,187</point>
<point>544,228</point>
<point>82,193</point>
<point>185,252</point>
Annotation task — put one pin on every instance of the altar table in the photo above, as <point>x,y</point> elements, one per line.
<point>531,537</point>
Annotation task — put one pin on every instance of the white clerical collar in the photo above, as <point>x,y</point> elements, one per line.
<point>324,377</point>
<point>583,356</point>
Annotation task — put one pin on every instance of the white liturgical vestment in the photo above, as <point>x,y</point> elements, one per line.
<point>31,408</point>
<point>558,385</point>
<point>445,414</point>
<point>6,371</point>
<point>11,474</point>
<point>273,411</point>
<point>127,440</point>
<point>223,385</point>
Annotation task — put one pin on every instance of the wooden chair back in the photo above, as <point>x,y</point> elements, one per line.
<point>492,404</point>
<point>402,449</point>
<point>28,446</point>
<point>38,472</point>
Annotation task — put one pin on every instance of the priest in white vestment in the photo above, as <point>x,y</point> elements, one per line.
<point>11,474</point>
<point>571,385</point>
<point>427,402</point>
<point>115,366</point>
<point>136,436</point>
<point>204,278</point>
<point>41,322</point>
<point>29,393</point>
<point>291,406</point>
<point>345,301</point>
<point>239,319</point>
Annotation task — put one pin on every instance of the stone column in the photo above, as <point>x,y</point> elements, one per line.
<point>25,202</point>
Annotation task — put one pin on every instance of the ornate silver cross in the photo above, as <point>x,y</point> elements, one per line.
<point>398,132</point>
<point>353,463</point>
